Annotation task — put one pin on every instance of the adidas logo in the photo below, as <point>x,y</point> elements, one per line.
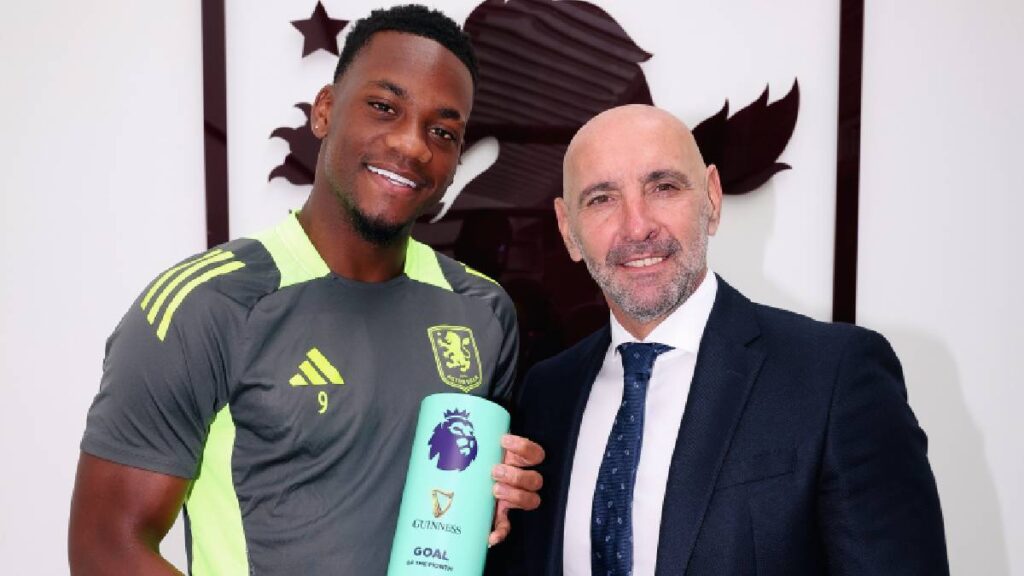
<point>317,370</point>
<point>174,285</point>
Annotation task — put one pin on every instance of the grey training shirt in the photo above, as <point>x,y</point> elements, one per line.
<point>289,395</point>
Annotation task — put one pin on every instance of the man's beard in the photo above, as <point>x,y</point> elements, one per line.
<point>690,264</point>
<point>375,230</point>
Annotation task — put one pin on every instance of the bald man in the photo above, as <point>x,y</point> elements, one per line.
<point>698,432</point>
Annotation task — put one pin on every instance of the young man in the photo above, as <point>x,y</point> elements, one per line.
<point>272,384</point>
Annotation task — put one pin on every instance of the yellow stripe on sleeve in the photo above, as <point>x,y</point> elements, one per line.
<point>202,262</point>
<point>165,322</point>
<point>163,277</point>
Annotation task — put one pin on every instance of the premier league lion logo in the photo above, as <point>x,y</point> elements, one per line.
<point>454,440</point>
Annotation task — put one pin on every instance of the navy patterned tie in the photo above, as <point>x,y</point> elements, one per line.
<point>611,522</point>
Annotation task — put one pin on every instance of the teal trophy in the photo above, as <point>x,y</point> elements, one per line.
<point>448,504</point>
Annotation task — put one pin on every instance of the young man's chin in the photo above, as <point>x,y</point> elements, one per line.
<point>378,230</point>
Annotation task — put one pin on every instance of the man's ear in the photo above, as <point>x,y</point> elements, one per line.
<point>320,115</point>
<point>714,190</point>
<point>562,216</point>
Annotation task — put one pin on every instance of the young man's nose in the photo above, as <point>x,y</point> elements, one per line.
<point>409,141</point>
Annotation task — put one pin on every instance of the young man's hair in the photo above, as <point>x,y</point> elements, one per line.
<point>410,19</point>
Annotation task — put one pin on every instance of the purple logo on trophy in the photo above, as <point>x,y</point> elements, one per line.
<point>454,441</point>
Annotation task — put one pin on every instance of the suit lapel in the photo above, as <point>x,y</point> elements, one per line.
<point>723,377</point>
<point>587,366</point>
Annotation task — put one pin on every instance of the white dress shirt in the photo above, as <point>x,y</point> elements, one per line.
<point>663,412</point>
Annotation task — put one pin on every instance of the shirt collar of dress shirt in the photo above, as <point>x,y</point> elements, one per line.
<point>683,328</point>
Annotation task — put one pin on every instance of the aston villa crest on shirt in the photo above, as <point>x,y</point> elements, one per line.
<point>456,355</point>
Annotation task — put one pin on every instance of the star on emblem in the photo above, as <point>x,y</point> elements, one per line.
<point>320,31</point>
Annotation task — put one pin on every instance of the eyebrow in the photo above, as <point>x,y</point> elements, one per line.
<point>656,175</point>
<point>391,87</point>
<point>603,186</point>
<point>449,113</point>
<point>444,112</point>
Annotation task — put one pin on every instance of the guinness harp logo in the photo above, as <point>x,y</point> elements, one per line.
<point>442,501</point>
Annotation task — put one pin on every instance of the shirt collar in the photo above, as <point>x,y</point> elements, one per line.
<point>683,328</point>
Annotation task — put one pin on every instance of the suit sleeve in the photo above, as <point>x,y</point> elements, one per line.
<point>878,504</point>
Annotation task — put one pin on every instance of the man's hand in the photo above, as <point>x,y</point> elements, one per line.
<point>516,487</point>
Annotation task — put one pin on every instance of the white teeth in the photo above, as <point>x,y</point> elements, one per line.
<point>643,263</point>
<point>392,176</point>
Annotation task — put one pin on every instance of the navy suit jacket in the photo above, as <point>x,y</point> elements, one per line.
<point>797,454</point>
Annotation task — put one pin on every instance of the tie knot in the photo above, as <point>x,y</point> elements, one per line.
<point>638,357</point>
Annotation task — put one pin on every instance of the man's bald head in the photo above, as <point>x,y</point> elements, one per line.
<point>637,206</point>
<point>622,129</point>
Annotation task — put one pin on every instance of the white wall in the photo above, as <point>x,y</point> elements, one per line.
<point>940,262</point>
<point>101,185</point>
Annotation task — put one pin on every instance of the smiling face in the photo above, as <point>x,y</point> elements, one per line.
<point>392,129</point>
<point>638,206</point>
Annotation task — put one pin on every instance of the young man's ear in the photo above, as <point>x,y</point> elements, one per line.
<point>320,115</point>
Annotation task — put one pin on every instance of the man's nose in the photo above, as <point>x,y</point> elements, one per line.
<point>638,220</point>
<point>409,141</point>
